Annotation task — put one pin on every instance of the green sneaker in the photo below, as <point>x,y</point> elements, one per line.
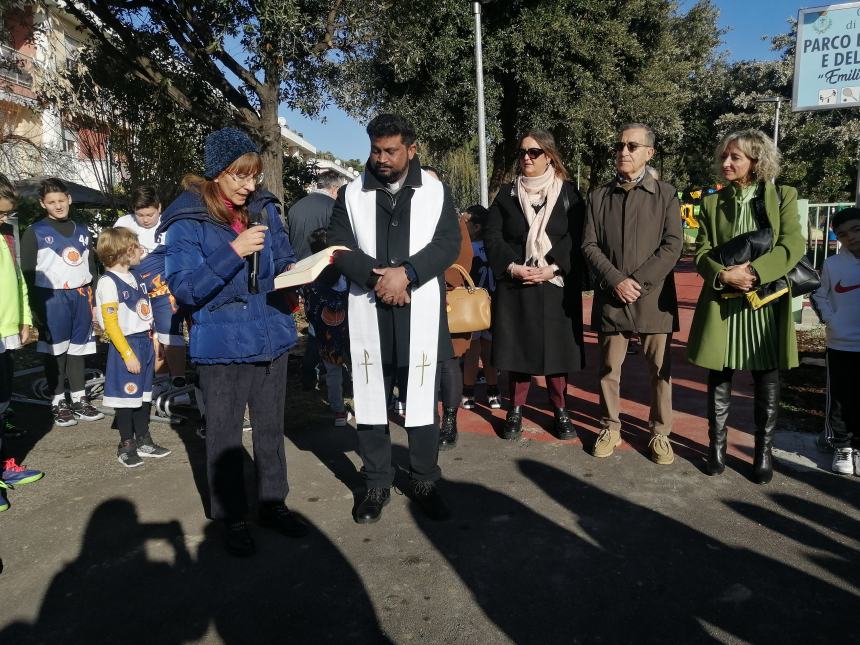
<point>608,441</point>
<point>661,449</point>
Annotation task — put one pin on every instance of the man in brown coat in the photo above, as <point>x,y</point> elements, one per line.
<point>632,240</point>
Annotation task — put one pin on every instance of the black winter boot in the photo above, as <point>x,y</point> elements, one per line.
<point>513,423</point>
<point>719,399</point>
<point>448,429</point>
<point>765,408</point>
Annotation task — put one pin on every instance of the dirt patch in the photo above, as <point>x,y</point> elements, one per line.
<point>803,394</point>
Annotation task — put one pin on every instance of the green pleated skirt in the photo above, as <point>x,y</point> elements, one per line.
<point>752,336</point>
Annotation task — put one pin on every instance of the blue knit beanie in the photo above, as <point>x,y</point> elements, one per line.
<point>222,148</point>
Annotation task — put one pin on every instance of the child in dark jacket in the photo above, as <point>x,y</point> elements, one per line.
<point>327,299</point>
<point>482,341</point>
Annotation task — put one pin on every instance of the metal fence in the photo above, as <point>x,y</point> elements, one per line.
<point>819,242</point>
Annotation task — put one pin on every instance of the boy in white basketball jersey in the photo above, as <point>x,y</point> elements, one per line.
<point>167,318</point>
<point>125,313</point>
<point>58,265</point>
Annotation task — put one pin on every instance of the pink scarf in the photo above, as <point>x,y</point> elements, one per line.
<point>531,192</point>
<point>237,223</point>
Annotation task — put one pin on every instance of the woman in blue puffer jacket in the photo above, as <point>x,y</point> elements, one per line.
<point>239,335</point>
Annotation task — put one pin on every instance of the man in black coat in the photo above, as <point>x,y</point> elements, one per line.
<point>313,211</point>
<point>392,272</point>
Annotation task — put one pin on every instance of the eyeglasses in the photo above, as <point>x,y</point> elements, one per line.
<point>244,179</point>
<point>7,213</point>
<point>632,146</point>
<point>531,153</point>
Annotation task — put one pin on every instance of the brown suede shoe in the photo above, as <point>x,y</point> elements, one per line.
<point>606,443</point>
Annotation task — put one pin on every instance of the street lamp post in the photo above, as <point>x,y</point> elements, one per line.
<point>479,88</point>
<point>778,100</point>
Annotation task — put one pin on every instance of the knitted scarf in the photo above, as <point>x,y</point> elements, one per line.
<point>541,192</point>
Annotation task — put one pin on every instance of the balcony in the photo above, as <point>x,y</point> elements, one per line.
<point>16,67</point>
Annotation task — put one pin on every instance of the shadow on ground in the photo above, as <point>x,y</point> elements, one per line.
<point>611,571</point>
<point>116,592</point>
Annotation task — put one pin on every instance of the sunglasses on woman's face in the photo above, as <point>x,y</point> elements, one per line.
<point>532,153</point>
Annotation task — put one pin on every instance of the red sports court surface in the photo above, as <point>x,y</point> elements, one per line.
<point>690,428</point>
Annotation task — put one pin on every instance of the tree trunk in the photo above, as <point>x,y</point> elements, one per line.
<point>594,156</point>
<point>271,143</point>
<point>504,154</point>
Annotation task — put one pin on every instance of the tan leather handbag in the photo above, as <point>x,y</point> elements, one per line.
<point>468,306</point>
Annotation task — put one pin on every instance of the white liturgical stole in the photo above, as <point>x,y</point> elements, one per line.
<point>368,385</point>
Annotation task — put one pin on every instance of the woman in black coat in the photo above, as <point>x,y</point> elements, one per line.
<point>533,238</point>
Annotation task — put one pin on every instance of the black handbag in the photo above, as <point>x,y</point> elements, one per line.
<point>799,281</point>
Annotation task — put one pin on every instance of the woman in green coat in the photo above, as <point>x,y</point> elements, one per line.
<point>728,334</point>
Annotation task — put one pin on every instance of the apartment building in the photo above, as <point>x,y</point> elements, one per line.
<point>36,140</point>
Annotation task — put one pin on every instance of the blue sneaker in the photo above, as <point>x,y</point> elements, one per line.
<point>17,475</point>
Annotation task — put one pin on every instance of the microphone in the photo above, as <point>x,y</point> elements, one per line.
<point>253,287</point>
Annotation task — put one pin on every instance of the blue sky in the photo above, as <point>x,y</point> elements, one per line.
<point>747,20</point>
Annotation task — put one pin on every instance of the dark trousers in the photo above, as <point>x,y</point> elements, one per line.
<point>7,373</point>
<point>132,423</point>
<point>843,408</point>
<point>310,361</point>
<point>451,383</point>
<point>226,391</point>
<point>374,445</point>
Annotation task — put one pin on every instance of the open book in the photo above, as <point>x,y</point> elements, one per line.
<point>307,270</point>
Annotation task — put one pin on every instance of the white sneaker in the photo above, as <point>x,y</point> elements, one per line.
<point>201,428</point>
<point>857,463</point>
<point>843,461</point>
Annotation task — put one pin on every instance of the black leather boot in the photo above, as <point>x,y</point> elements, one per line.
<point>513,423</point>
<point>237,538</point>
<point>765,408</point>
<point>448,429</point>
<point>370,508</point>
<point>563,425</point>
<point>719,398</point>
<point>426,495</point>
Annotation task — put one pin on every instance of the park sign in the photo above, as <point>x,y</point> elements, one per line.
<point>827,58</point>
